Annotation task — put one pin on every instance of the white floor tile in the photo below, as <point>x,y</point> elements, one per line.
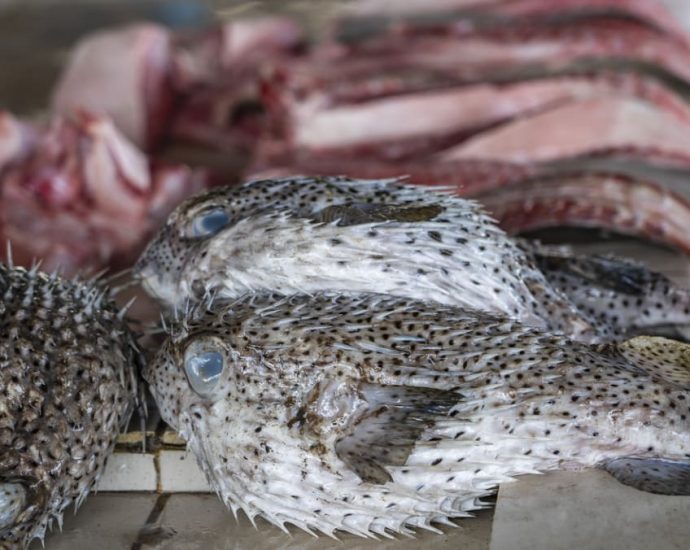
<point>105,522</point>
<point>179,473</point>
<point>129,472</point>
<point>588,510</point>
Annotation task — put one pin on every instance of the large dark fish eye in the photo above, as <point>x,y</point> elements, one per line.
<point>209,222</point>
<point>203,368</point>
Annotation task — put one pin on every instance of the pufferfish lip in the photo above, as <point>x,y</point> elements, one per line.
<point>143,268</point>
<point>155,286</point>
<point>146,280</point>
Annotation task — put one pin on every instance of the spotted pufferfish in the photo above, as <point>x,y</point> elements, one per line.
<point>375,414</point>
<point>68,384</point>
<point>317,234</point>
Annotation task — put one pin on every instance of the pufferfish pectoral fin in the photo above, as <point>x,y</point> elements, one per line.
<point>653,475</point>
<point>386,433</point>
<point>662,358</point>
<point>363,213</point>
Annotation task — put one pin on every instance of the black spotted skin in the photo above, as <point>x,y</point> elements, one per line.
<point>371,413</point>
<point>68,384</point>
<point>619,296</point>
<point>314,234</point>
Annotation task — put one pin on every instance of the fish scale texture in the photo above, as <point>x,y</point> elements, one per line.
<point>375,414</point>
<point>67,386</point>
<point>284,236</point>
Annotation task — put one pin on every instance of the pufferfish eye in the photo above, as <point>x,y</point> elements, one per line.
<point>203,365</point>
<point>209,222</point>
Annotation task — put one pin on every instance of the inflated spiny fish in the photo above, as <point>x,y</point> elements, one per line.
<point>68,367</point>
<point>313,234</point>
<point>371,413</point>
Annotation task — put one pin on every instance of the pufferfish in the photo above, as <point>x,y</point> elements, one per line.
<point>375,414</point>
<point>68,384</point>
<point>317,234</point>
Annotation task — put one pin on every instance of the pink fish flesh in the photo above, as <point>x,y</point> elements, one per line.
<point>625,205</point>
<point>590,127</point>
<point>414,124</point>
<point>124,73</point>
<point>84,196</point>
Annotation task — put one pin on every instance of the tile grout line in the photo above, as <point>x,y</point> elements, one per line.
<point>153,516</point>
<point>494,517</point>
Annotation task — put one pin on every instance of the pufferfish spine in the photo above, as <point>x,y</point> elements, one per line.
<point>310,235</point>
<point>68,385</point>
<point>375,414</point>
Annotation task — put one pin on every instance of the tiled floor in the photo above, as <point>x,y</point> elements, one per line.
<point>106,521</point>
<point>197,521</point>
<point>587,510</point>
<point>558,511</point>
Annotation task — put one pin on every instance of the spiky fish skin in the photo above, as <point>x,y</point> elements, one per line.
<point>274,243</point>
<point>617,295</point>
<point>303,372</point>
<point>68,384</point>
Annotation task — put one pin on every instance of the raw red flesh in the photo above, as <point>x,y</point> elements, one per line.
<point>235,50</point>
<point>122,73</point>
<point>591,127</point>
<point>16,140</point>
<point>410,125</point>
<point>481,55</point>
<point>229,118</point>
<point>369,8</point>
<point>86,197</point>
<point>144,78</point>
<point>651,12</point>
<point>407,73</point>
<point>635,207</point>
<point>218,84</point>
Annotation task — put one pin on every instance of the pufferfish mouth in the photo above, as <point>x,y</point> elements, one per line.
<point>155,286</point>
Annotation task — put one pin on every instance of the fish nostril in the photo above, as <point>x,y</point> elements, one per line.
<point>12,502</point>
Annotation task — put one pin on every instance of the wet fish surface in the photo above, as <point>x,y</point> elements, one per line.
<point>619,296</point>
<point>68,384</point>
<point>316,234</point>
<point>375,414</point>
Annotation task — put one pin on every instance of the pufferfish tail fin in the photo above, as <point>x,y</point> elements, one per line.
<point>662,358</point>
<point>667,361</point>
<point>652,475</point>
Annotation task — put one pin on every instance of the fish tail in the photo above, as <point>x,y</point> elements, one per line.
<point>667,361</point>
<point>628,296</point>
<point>661,358</point>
